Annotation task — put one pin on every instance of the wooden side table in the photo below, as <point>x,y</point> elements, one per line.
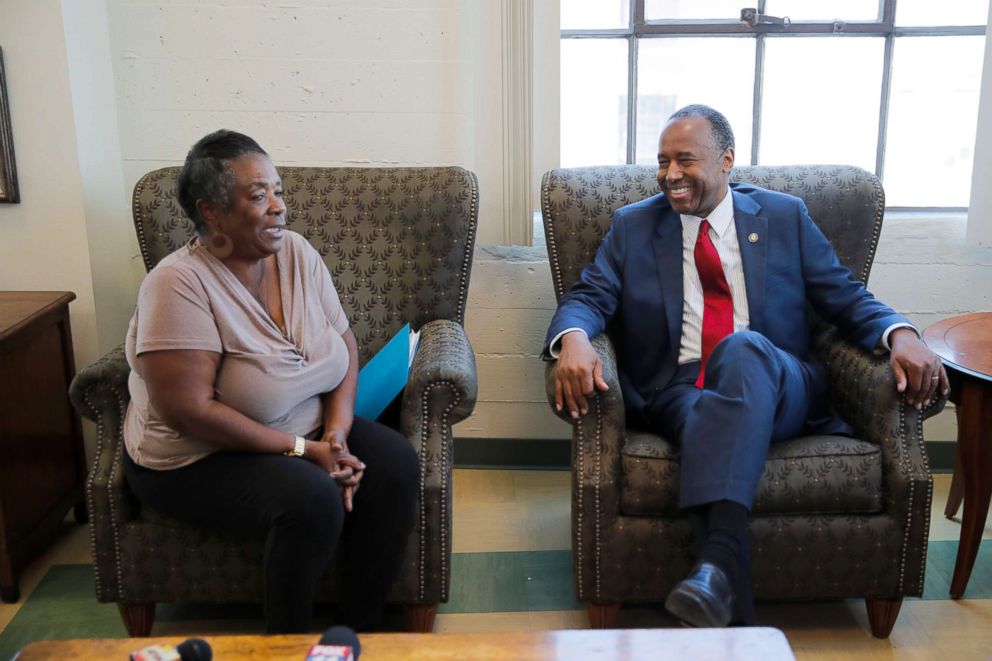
<point>964,344</point>
<point>42,463</point>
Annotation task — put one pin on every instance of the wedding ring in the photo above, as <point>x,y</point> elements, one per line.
<point>935,378</point>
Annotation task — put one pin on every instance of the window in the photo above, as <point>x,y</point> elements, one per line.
<point>839,81</point>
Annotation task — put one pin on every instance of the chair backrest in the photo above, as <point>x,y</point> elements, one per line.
<point>398,241</point>
<point>846,203</point>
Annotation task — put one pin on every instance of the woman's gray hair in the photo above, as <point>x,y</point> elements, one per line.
<point>207,175</point>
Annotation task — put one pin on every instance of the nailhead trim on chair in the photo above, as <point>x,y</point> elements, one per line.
<point>139,224</point>
<point>599,497</point>
<point>597,529</point>
<point>912,496</point>
<point>549,232</point>
<point>929,497</point>
<point>91,503</point>
<point>579,513</point>
<point>424,435</point>
<point>469,251</point>
<point>876,232</point>
<point>904,460</point>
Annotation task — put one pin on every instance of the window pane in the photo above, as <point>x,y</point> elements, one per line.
<point>655,10</point>
<point>593,102</point>
<point>821,101</point>
<point>593,14</point>
<point>672,73</point>
<point>926,12</point>
<point>843,10</point>
<point>933,112</point>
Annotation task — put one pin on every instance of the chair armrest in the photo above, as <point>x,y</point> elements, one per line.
<point>598,436</point>
<point>863,392</point>
<point>441,391</point>
<point>100,393</point>
<point>443,371</point>
<point>101,386</point>
<point>863,389</point>
<point>607,355</point>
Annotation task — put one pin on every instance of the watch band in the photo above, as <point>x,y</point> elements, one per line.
<point>299,445</point>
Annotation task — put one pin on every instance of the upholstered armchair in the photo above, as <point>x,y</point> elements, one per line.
<point>398,242</point>
<point>835,517</point>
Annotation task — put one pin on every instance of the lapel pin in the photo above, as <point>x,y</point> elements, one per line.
<point>752,237</point>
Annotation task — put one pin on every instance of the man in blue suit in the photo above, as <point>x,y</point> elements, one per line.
<point>708,284</point>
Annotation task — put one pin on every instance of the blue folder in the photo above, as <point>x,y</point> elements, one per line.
<point>385,375</point>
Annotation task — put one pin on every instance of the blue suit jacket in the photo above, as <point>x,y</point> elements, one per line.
<point>635,283</point>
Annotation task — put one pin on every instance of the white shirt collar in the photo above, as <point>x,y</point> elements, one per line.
<point>720,219</point>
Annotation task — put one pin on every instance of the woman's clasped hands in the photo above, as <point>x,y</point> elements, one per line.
<point>331,453</point>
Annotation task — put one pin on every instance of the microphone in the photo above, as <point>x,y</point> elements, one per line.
<point>191,649</point>
<point>338,643</point>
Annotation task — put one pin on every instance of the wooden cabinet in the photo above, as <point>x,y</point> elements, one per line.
<point>42,464</point>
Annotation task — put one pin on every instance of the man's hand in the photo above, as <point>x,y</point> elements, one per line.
<point>578,374</point>
<point>917,370</point>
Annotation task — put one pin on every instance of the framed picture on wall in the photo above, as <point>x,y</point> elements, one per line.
<point>8,173</point>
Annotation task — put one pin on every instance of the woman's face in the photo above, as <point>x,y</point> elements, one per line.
<point>255,219</point>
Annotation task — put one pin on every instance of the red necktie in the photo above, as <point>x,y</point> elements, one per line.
<point>718,305</point>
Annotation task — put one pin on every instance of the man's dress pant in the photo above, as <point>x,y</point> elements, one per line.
<point>754,395</point>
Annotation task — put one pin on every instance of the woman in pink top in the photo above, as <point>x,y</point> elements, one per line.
<point>243,381</point>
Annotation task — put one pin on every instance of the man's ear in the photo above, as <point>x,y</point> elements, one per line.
<point>728,159</point>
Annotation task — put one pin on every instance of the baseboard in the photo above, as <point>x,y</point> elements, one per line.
<point>555,453</point>
<point>519,453</point>
<point>941,455</point>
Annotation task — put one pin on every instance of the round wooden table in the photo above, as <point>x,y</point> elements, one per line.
<point>964,344</point>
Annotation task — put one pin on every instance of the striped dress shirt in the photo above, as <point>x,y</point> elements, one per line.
<point>723,234</point>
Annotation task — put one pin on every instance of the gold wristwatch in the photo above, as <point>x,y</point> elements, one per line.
<point>299,445</point>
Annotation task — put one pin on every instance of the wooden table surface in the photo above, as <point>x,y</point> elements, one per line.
<point>964,343</point>
<point>17,308</point>
<point>762,643</point>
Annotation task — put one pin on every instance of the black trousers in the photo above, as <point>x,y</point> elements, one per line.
<point>297,509</point>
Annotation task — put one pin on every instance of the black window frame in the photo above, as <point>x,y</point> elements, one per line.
<point>640,28</point>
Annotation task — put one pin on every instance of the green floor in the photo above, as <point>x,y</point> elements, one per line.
<point>63,605</point>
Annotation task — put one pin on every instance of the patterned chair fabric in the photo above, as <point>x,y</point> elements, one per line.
<point>834,516</point>
<point>398,243</point>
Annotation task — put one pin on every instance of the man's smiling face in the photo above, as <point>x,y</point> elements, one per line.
<point>692,172</point>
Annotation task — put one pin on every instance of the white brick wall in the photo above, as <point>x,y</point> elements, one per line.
<point>317,83</point>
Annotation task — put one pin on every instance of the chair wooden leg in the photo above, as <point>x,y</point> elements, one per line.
<point>138,618</point>
<point>882,614</point>
<point>603,616</point>
<point>420,618</point>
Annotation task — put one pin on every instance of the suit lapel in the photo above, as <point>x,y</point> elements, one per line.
<point>668,254</point>
<point>752,237</point>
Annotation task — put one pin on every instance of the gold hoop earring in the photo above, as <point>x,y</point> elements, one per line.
<point>220,245</point>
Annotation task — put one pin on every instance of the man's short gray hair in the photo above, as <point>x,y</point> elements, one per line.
<point>723,135</point>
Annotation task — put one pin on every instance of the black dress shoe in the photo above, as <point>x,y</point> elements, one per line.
<point>704,598</point>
